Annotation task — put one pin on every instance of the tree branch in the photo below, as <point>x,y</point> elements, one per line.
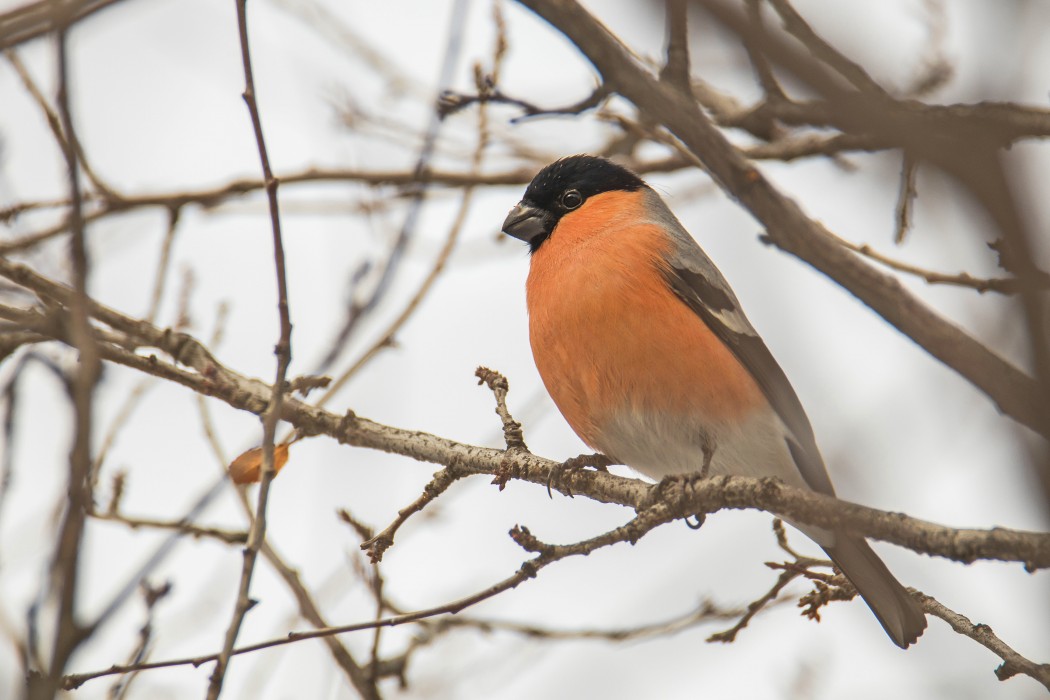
<point>1014,392</point>
<point>36,19</point>
<point>1013,663</point>
<point>211,378</point>
<point>65,564</point>
<point>283,351</point>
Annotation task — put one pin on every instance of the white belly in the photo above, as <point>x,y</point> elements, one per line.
<point>659,445</point>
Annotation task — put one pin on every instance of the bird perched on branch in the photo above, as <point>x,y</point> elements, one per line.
<point>645,350</point>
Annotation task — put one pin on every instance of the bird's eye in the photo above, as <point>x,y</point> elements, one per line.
<point>571,199</point>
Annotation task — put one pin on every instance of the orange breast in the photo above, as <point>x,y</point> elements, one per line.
<point>608,334</point>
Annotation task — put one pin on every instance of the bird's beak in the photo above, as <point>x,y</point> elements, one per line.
<point>526,222</point>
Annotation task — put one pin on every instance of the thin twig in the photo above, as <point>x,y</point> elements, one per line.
<point>36,19</point>
<point>386,339</point>
<point>211,378</point>
<point>1031,548</point>
<point>118,203</point>
<point>1015,392</point>
<point>771,596</point>
<point>283,351</point>
<point>344,38</point>
<point>120,420</point>
<point>676,65</point>
<point>54,121</point>
<point>1002,285</point>
<point>151,596</point>
<point>160,278</point>
<point>707,611</point>
<point>65,566</point>
<point>308,608</point>
<point>418,194</point>
<point>166,547</point>
<point>753,608</point>
<point>906,197</point>
<point>498,385</point>
<point>759,62</point>
<point>935,70</point>
<point>311,612</point>
<point>1013,663</point>
<point>211,435</point>
<point>546,555</point>
<point>378,544</point>
<point>824,51</point>
<point>138,392</point>
<point>452,102</point>
<point>184,526</point>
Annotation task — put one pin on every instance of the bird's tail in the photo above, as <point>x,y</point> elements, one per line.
<point>899,613</point>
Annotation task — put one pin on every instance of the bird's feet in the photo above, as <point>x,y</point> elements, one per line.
<point>598,462</point>
<point>677,487</point>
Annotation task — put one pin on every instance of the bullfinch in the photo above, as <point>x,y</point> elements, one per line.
<point>643,347</point>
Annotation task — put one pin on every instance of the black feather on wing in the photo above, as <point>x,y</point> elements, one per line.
<point>713,302</point>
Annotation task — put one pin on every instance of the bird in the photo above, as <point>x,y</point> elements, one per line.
<point>645,350</point>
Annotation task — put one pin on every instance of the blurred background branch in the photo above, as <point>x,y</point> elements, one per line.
<point>396,163</point>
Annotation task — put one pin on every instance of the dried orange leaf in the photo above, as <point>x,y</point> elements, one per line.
<point>247,468</point>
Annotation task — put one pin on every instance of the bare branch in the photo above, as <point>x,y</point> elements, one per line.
<point>1013,663</point>
<point>935,69</point>
<point>54,121</point>
<point>899,121</point>
<point>378,544</point>
<point>906,197</point>
<point>183,526</point>
<point>676,66</point>
<point>163,265</point>
<point>1014,392</point>
<point>770,597</point>
<point>308,608</point>
<point>211,378</point>
<point>283,350</point>
<point>387,337</point>
<point>546,555</point>
<point>311,612</point>
<point>151,596</point>
<point>824,51</point>
<point>844,110</point>
<point>1003,285</point>
<point>417,195</point>
<point>498,385</point>
<point>763,71</point>
<point>451,102</point>
<point>706,611</point>
<point>65,565</point>
<point>37,19</point>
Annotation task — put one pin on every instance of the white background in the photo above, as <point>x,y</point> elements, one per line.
<point>157,106</point>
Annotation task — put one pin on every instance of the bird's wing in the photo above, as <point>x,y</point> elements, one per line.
<point>696,280</point>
